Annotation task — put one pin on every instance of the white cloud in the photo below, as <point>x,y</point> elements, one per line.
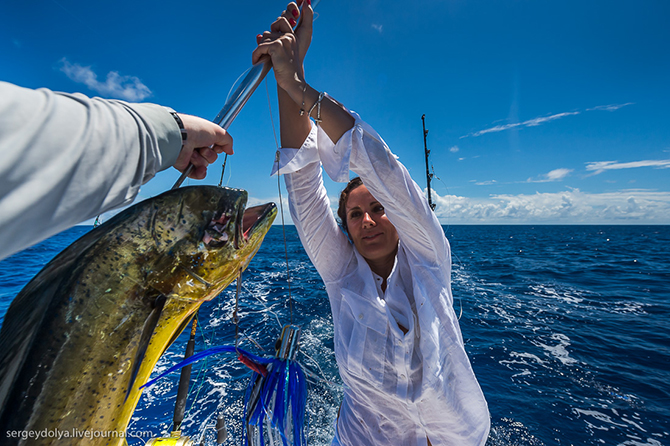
<point>554,175</point>
<point>612,107</point>
<point>377,28</point>
<point>633,206</point>
<point>541,120</point>
<point>129,88</point>
<point>454,149</point>
<point>568,207</point>
<point>537,121</point>
<point>601,166</point>
<point>529,123</point>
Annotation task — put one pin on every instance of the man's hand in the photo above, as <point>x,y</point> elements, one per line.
<point>203,145</point>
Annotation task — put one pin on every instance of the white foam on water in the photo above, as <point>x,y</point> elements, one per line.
<point>509,432</point>
<point>550,292</point>
<point>559,351</point>
<point>649,442</point>
<point>597,416</point>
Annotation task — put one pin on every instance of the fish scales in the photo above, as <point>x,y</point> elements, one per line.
<point>72,341</point>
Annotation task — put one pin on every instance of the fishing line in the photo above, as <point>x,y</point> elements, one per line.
<point>313,375</point>
<point>201,382</point>
<point>265,307</point>
<point>232,88</point>
<point>223,169</point>
<point>281,205</point>
<point>432,167</point>
<point>236,319</point>
<point>286,382</point>
<point>322,379</point>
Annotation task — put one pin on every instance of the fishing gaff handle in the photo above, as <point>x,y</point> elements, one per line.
<point>235,102</point>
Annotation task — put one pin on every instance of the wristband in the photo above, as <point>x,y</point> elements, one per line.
<point>180,123</point>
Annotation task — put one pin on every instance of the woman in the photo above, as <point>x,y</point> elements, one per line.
<point>398,345</point>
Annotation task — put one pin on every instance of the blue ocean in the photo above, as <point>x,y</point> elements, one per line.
<point>567,328</point>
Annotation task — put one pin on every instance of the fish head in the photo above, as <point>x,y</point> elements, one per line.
<point>207,237</point>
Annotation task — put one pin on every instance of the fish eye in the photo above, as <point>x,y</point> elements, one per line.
<point>217,243</point>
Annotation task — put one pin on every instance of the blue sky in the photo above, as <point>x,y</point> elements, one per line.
<point>538,112</point>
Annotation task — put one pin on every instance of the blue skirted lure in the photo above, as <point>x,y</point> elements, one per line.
<point>275,400</point>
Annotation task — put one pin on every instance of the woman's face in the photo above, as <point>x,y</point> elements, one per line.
<point>373,234</point>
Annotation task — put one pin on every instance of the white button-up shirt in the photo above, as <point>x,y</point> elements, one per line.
<point>400,388</point>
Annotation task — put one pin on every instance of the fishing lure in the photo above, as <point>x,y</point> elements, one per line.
<point>276,397</point>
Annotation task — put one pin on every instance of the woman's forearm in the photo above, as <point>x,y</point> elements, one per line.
<point>335,120</point>
<point>293,127</point>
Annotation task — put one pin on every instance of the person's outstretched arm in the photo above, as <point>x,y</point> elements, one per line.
<point>65,158</point>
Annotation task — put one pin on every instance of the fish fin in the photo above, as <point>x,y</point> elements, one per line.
<point>145,339</point>
<point>178,332</point>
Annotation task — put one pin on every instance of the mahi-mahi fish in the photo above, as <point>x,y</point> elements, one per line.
<point>86,332</point>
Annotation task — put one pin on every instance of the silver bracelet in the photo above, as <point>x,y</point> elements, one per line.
<point>318,109</point>
<point>317,104</point>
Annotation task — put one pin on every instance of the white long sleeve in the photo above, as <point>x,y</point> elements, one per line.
<point>65,158</point>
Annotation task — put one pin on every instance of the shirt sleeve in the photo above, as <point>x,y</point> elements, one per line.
<point>363,151</point>
<point>325,243</point>
<point>65,158</point>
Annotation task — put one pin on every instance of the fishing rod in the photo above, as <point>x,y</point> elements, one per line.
<point>429,175</point>
<point>184,379</point>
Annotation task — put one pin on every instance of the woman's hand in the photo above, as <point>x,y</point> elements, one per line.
<point>287,48</point>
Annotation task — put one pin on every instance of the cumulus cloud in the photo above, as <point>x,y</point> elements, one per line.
<point>377,28</point>
<point>572,206</point>
<point>454,149</point>
<point>542,120</point>
<point>129,88</point>
<point>568,207</point>
<point>601,166</point>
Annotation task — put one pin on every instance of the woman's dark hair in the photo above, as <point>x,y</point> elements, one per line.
<point>344,196</point>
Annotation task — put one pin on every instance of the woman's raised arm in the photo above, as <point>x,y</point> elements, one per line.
<point>287,48</point>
